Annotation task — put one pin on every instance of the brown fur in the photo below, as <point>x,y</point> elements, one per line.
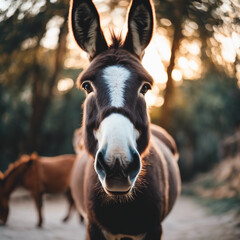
<point>164,136</point>
<point>78,143</point>
<point>38,175</point>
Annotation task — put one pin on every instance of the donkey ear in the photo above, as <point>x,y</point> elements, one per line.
<point>85,24</point>
<point>140,27</point>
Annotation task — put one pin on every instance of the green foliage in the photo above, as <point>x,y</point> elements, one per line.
<point>29,74</point>
<point>15,112</point>
<point>62,118</point>
<point>203,113</point>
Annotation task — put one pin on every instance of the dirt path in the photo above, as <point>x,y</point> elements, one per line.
<point>191,221</point>
<point>188,221</point>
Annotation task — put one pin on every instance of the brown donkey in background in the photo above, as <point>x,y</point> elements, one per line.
<point>126,179</point>
<point>38,175</point>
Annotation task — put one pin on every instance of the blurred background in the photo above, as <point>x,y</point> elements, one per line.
<point>194,58</point>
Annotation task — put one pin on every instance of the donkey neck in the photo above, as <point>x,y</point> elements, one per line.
<point>14,178</point>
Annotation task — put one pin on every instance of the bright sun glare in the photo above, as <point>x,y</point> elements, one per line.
<point>65,84</point>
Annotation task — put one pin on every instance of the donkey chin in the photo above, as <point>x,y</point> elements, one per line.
<point>117,161</point>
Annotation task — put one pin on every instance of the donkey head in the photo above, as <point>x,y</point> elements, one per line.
<point>115,122</point>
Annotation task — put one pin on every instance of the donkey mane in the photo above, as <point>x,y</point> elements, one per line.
<point>116,41</point>
<point>23,160</point>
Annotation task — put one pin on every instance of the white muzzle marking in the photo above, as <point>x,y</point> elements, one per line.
<point>117,135</point>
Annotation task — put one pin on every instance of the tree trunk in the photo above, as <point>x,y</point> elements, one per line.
<point>37,108</point>
<point>42,97</point>
<point>170,84</point>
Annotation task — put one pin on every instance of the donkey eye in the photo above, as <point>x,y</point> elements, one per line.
<point>145,88</point>
<point>87,87</point>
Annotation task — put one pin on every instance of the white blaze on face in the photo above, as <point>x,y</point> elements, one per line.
<point>116,77</point>
<point>118,135</point>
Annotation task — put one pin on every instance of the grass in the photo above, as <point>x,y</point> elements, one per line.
<point>215,206</point>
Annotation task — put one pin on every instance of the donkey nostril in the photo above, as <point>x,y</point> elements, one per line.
<point>101,166</point>
<point>134,166</point>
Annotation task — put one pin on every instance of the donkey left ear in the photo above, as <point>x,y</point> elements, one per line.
<point>140,27</point>
<point>85,24</point>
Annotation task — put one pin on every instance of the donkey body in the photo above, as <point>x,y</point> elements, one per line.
<point>38,175</point>
<point>126,178</point>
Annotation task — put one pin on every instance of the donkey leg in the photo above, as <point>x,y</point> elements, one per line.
<point>38,202</point>
<point>70,206</point>
<point>81,218</point>
<point>154,234</point>
<point>94,232</point>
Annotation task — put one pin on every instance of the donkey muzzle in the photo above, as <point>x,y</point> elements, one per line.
<point>118,175</point>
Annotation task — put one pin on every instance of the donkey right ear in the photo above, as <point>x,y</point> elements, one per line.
<point>85,24</point>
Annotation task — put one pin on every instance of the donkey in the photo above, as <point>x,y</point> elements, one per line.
<point>126,178</point>
<point>38,175</point>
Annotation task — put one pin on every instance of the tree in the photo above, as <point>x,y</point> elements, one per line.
<point>23,55</point>
<point>206,18</point>
<point>31,65</point>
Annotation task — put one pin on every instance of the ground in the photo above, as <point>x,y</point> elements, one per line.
<point>188,221</point>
